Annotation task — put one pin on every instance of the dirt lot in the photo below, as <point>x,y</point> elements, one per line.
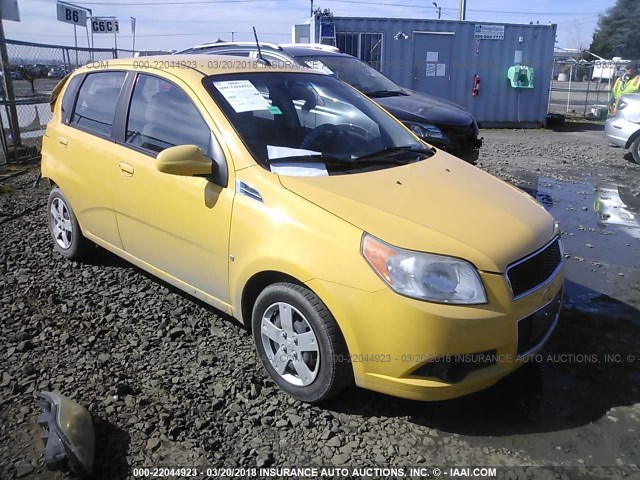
<point>170,381</point>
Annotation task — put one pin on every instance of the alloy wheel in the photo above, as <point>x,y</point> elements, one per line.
<point>61,225</point>
<point>290,344</point>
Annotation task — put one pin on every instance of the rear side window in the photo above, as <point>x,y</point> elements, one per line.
<point>161,115</point>
<point>69,97</point>
<point>97,100</point>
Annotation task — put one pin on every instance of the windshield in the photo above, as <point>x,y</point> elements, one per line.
<point>312,118</point>
<point>352,71</point>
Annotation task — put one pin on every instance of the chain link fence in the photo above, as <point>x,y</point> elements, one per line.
<point>582,89</point>
<point>34,70</point>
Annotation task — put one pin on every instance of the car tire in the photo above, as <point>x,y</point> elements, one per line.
<point>635,150</point>
<point>299,343</point>
<point>64,229</point>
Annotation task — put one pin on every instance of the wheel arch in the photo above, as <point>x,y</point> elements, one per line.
<point>255,285</point>
<point>632,139</point>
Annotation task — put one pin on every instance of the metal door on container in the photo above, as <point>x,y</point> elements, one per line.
<point>432,62</point>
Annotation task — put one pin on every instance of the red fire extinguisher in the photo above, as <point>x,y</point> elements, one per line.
<point>476,85</point>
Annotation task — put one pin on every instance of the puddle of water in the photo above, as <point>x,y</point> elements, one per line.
<point>600,230</point>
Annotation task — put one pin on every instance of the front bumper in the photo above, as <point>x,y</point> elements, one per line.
<point>394,341</point>
<point>619,130</point>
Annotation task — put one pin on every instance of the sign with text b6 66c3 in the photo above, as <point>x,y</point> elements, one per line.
<point>104,25</point>
<point>68,14</point>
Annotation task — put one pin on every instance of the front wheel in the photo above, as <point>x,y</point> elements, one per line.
<point>63,226</point>
<point>299,343</point>
<point>635,150</point>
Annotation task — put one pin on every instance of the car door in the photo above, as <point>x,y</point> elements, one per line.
<point>84,145</point>
<point>177,225</point>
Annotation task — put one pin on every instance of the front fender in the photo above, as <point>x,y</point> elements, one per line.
<point>287,234</point>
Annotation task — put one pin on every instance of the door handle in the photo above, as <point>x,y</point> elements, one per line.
<point>126,169</point>
<point>63,141</point>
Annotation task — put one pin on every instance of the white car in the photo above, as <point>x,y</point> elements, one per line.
<point>623,129</point>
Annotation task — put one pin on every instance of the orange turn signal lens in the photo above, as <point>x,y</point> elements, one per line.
<point>377,254</point>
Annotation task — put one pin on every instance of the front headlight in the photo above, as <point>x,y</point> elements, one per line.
<point>426,130</point>
<point>424,276</point>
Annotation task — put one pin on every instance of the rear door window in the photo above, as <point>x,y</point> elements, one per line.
<point>97,100</point>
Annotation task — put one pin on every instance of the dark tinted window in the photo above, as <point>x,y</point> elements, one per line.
<point>161,115</point>
<point>352,71</point>
<point>97,101</point>
<point>69,97</point>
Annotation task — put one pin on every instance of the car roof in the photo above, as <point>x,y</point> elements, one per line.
<point>295,50</point>
<point>184,66</point>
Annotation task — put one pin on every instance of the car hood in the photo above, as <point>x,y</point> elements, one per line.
<point>420,107</point>
<point>440,205</point>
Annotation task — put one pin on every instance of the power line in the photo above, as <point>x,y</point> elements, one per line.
<point>455,9</point>
<point>359,2</point>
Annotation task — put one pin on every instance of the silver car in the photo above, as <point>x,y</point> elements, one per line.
<point>623,129</point>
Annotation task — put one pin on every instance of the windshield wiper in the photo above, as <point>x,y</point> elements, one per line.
<point>385,93</point>
<point>389,151</point>
<point>326,159</point>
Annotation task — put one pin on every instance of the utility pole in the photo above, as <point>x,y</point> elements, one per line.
<point>75,36</point>
<point>462,10</point>
<point>438,9</point>
<point>311,14</point>
<point>10,95</point>
<point>133,31</point>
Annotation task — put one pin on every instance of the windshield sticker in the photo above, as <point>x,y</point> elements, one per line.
<point>318,65</point>
<point>299,169</point>
<point>274,110</point>
<point>242,95</point>
<point>275,151</point>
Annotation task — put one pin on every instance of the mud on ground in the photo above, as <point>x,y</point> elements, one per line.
<point>171,381</point>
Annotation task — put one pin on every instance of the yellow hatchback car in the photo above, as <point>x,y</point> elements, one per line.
<point>289,200</point>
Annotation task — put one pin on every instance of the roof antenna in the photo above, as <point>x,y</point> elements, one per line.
<point>260,57</point>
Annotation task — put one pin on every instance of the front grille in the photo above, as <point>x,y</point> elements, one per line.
<point>525,275</point>
<point>534,329</point>
<point>460,138</point>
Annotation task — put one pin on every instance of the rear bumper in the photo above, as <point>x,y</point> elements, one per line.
<point>618,131</point>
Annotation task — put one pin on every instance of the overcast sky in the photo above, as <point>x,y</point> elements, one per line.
<point>173,24</point>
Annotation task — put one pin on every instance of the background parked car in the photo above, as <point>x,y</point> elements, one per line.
<point>17,73</point>
<point>442,123</point>
<point>39,70</point>
<point>58,72</point>
<point>623,129</point>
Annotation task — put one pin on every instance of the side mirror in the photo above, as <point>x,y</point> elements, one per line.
<point>184,160</point>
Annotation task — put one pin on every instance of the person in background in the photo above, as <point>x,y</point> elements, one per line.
<point>629,82</point>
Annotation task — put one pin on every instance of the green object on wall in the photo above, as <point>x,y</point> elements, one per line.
<point>520,76</point>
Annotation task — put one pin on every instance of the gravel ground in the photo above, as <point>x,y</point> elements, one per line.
<point>170,381</point>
